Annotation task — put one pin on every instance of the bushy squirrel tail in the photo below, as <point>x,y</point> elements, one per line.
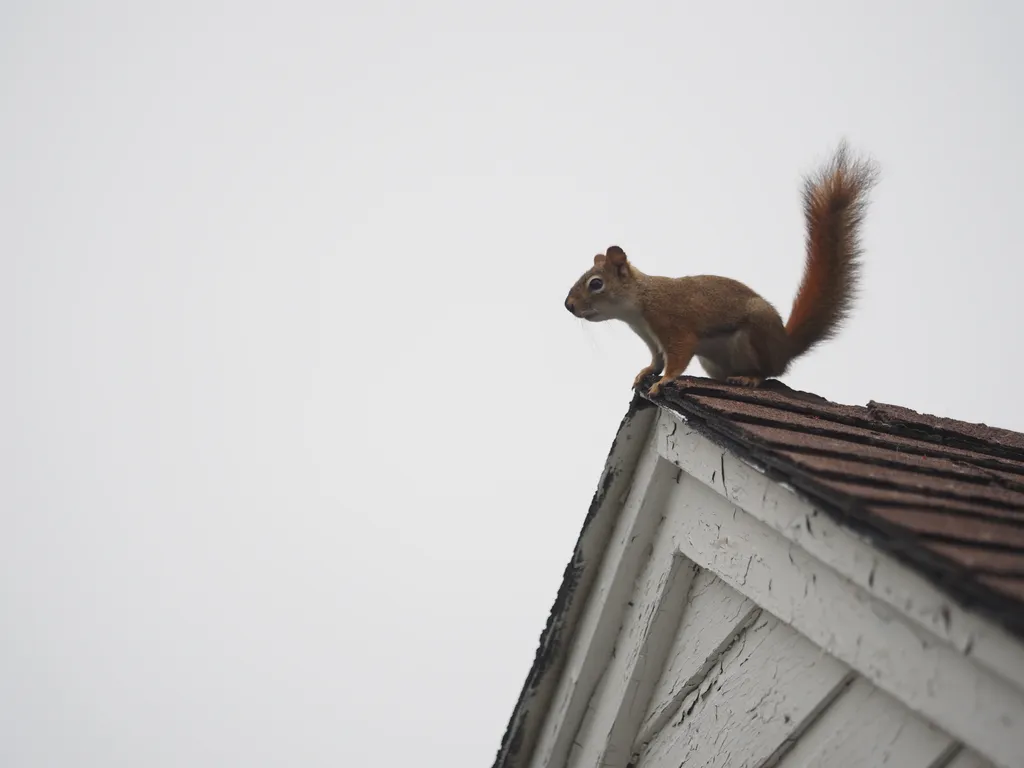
<point>835,201</point>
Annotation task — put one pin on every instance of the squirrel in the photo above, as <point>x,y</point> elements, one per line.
<point>737,335</point>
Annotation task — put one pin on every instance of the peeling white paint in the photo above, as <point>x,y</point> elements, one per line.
<point>608,732</point>
<point>730,624</point>
<point>928,676</point>
<point>625,556</point>
<point>781,508</point>
<point>759,693</point>
<point>967,759</point>
<point>866,727</point>
<point>715,616</point>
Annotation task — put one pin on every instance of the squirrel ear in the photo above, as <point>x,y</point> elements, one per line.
<point>617,258</point>
<point>599,260</point>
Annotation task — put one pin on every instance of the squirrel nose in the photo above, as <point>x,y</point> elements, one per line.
<point>568,305</point>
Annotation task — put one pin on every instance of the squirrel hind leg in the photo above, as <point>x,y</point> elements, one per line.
<point>771,346</point>
<point>711,368</point>
<point>724,356</point>
<point>715,372</point>
<point>756,350</point>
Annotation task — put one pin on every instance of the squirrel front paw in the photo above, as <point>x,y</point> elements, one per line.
<point>656,387</point>
<point>643,375</point>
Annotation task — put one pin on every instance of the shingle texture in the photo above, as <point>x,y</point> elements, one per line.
<point>944,496</point>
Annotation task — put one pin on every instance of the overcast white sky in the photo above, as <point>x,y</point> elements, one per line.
<point>298,434</point>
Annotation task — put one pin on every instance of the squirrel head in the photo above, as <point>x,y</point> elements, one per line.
<point>607,290</point>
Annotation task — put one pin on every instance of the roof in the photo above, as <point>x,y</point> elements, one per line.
<point>945,497</point>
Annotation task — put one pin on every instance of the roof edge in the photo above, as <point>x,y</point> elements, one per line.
<point>994,611</point>
<point>527,718</point>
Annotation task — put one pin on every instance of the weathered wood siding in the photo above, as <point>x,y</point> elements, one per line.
<point>727,629</point>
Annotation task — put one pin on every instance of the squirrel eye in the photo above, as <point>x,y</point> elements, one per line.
<point>595,284</point>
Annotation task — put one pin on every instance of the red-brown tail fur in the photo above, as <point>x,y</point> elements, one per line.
<point>835,201</point>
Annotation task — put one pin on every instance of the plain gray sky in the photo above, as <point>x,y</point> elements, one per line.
<point>298,434</point>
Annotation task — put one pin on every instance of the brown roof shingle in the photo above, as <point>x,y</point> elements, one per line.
<point>945,497</point>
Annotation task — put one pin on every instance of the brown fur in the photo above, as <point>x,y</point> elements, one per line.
<point>835,201</point>
<point>737,335</point>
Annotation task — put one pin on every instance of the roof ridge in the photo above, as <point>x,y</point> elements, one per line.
<point>876,416</point>
<point>890,414</point>
<point>983,478</point>
<point>945,510</point>
<point>929,492</point>
<point>990,546</point>
<point>927,449</point>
